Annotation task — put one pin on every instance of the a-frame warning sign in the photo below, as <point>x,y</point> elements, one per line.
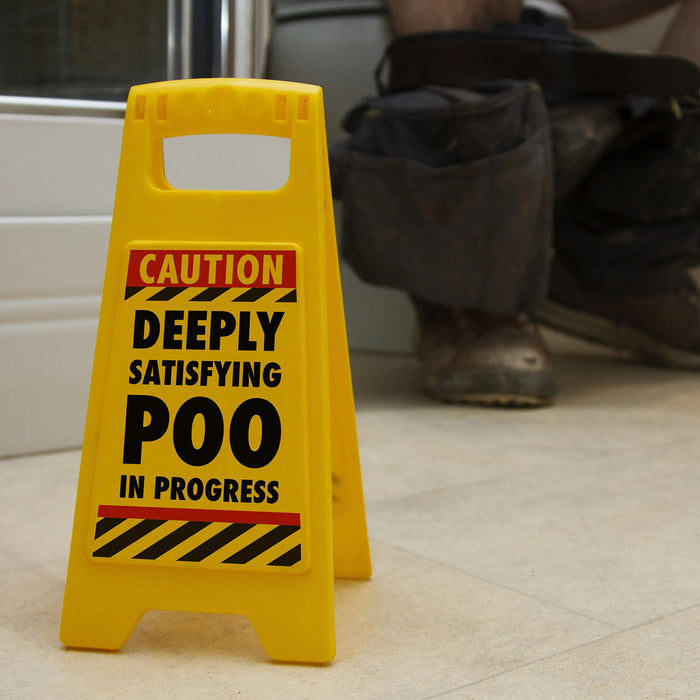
<point>220,469</point>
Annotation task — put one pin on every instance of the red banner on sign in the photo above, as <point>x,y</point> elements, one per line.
<point>212,268</point>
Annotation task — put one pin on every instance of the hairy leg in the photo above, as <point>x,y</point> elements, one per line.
<point>599,14</point>
<point>681,37</point>
<point>412,16</point>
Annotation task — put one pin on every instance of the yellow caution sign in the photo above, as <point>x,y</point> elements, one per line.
<point>220,470</point>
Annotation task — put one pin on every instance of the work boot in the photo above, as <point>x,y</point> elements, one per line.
<point>471,356</point>
<point>661,329</point>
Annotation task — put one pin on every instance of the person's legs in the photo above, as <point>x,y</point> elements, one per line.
<point>626,240</point>
<point>600,14</point>
<point>414,16</point>
<point>469,354</point>
<point>498,358</point>
<point>682,36</point>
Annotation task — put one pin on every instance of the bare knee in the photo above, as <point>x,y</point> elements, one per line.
<point>599,14</point>
<point>412,16</point>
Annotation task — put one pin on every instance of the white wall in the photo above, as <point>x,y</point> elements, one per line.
<point>57,180</point>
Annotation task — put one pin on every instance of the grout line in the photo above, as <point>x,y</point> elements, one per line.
<point>583,645</point>
<point>502,586</point>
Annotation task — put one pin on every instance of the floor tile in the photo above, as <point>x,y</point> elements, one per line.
<point>659,660</point>
<point>415,629</point>
<point>36,508</point>
<point>616,540</point>
<point>534,553</point>
<point>590,504</point>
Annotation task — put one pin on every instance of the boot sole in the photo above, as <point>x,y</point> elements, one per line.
<point>601,330</point>
<point>495,400</point>
<point>501,388</point>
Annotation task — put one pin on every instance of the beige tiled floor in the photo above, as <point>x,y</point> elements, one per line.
<point>549,553</point>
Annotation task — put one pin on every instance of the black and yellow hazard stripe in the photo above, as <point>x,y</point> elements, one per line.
<point>209,538</point>
<point>280,295</point>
